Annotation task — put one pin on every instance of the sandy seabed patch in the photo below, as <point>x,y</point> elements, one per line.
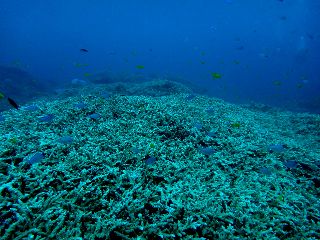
<point>170,167</point>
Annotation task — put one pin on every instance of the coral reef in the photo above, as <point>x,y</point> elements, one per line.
<point>103,185</point>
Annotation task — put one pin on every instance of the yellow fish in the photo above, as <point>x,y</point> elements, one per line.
<point>215,75</point>
<point>81,64</point>
<point>277,83</point>
<point>235,125</point>
<point>299,85</point>
<point>140,67</point>
<point>16,63</point>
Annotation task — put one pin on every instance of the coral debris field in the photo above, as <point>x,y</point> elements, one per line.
<point>162,167</point>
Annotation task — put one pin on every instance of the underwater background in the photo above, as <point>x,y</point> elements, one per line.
<point>264,51</point>
<point>159,119</point>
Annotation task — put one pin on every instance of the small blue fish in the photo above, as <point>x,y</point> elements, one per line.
<point>95,116</point>
<point>31,108</point>
<point>291,164</point>
<point>46,118</point>
<point>212,133</point>
<point>80,105</point>
<point>65,140</point>
<point>206,150</point>
<point>105,95</point>
<point>277,148</point>
<point>35,158</point>
<point>265,171</point>
<point>190,97</point>
<point>198,125</point>
<point>151,160</point>
<point>135,150</point>
<point>210,110</point>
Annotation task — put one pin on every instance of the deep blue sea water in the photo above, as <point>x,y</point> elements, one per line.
<point>262,51</point>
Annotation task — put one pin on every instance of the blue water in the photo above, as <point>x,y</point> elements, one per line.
<point>265,51</point>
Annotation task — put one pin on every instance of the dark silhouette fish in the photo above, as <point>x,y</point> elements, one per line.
<point>240,47</point>
<point>13,103</point>
<point>83,50</point>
